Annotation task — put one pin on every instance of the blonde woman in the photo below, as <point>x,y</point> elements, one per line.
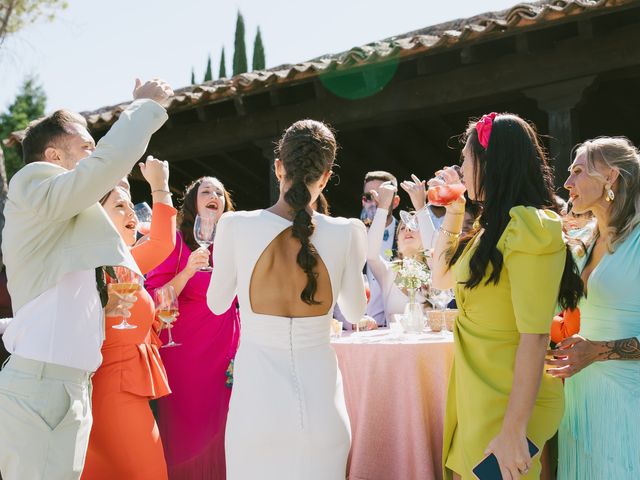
<point>599,435</point>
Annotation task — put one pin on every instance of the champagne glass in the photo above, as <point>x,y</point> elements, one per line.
<point>204,230</point>
<point>143,212</point>
<point>166,302</point>
<point>127,282</point>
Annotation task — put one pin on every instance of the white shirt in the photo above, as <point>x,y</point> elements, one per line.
<point>63,326</point>
<point>375,307</point>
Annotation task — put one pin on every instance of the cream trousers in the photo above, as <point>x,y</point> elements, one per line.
<point>45,420</point>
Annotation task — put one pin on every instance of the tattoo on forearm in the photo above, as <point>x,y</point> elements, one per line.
<point>626,349</point>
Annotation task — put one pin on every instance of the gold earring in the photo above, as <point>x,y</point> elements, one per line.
<point>609,196</point>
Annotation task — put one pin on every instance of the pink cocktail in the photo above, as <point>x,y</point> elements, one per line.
<point>443,195</point>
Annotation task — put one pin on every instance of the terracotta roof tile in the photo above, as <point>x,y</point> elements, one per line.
<point>441,36</point>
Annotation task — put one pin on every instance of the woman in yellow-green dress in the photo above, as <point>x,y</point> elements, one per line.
<point>508,274</point>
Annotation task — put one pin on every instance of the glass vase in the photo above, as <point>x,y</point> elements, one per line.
<point>413,315</point>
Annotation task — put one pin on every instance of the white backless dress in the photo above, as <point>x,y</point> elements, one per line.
<point>287,416</point>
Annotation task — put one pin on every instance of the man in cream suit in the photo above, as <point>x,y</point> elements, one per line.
<point>55,240</point>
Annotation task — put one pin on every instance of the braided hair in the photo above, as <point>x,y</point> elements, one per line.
<point>307,151</point>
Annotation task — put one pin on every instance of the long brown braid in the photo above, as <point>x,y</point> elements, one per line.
<point>307,151</point>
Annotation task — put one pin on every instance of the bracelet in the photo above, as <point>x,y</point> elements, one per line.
<point>449,234</point>
<point>163,191</point>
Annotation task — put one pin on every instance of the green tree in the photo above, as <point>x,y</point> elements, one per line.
<point>208,74</point>
<point>258,53</point>
<point>240,49</point>
<point>193,77</point>
<point>28,105</point>
<point>16,14</point>
<point>222,71</point>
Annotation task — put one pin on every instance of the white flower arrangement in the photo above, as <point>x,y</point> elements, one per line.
<point>411,274</point>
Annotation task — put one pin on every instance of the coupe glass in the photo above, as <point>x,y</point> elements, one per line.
<point>127,282</point>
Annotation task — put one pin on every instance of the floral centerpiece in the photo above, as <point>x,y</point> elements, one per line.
<point>412,275</point>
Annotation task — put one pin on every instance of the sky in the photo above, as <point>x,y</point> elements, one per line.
<point>89,56</point>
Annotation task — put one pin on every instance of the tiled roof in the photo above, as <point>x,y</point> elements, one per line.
<point>437,37</point>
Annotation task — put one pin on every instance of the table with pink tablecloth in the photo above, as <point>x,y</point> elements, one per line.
<point>395,390</point>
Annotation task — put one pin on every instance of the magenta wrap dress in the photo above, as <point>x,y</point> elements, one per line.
<point>192,419</point>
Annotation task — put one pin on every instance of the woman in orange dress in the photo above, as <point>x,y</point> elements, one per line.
<point>125,442</point>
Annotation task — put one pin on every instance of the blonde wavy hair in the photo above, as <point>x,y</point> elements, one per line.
<point>619,154</point>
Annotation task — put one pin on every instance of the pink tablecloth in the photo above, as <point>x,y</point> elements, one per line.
<point>395,391</point>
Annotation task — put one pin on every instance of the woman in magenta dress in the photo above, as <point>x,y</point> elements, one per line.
<point>192,419</point>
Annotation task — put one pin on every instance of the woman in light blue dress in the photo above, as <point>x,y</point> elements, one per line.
<point>599,437</point>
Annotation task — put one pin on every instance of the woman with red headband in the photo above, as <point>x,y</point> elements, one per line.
<point>509,273</point>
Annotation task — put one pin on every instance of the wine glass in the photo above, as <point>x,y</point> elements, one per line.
<point>204,230</point>
<point>127,282</point>
<point>166,302</point>
<point>439,299</point>
<point>143,212</point>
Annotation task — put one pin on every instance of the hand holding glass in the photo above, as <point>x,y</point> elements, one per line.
<point>127,282</point>
<point>143,212</point>
<point>442,192</point>
<point>204,230</point>
<point>166,302</point>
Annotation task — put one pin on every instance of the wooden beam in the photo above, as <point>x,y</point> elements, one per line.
<point>585,28</point>
<point>274,97</point>
<point>319,89</point>
<point>238,103</point>
<point>202,113</point>
<point>251,174</point>
<point>500,76</point>
<point>230,180</point>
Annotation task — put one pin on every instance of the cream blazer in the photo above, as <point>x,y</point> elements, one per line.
<point>53,221</point>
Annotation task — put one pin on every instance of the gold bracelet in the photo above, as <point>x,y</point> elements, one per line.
<point>163,191</point>
<point>449,234</point>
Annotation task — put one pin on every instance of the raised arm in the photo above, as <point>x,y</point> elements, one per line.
<point>374,243</point>
<point>223,284</point>
<point>162,236</point>
<point>418,195</point>
<point>384,199</point>
<point>351,298</point>
<point>63,195</point>
<point>446,238</point>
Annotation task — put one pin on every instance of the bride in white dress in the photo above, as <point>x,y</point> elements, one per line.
<point>289,266</point>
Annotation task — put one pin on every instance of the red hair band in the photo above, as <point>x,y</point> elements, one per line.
<point>483,127</point>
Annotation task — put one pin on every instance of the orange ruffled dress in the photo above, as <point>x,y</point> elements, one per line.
<point>125,442</point>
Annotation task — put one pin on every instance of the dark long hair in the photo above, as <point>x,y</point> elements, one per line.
<point>307,151</point>
<point>511,171</point>
<point>189,210</point>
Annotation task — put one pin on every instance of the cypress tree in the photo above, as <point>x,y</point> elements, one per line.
<point>258,52</point>
<point>222,73</point>
<point>193,77</point>
<point>208,75</point>
<point>240,49</point>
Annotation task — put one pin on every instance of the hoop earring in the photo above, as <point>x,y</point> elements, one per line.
<point>609,196</point>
